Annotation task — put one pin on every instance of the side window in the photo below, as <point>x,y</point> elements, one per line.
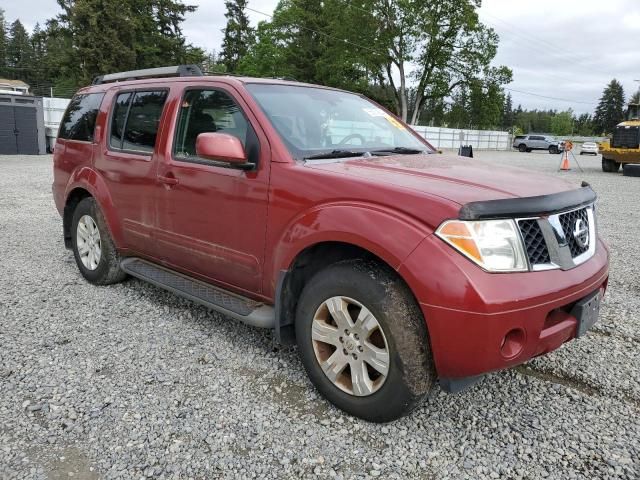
<point>79,119</point>
<point>135,120</point>
<point>536,137</point>
<point>118,119</point>
<point>209,111</point>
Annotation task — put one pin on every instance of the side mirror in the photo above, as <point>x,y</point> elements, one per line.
<point>221,147</point>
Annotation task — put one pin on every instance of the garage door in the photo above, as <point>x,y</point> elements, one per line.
<point>18,130</point>
<point>26,130</point>
<point>8,143</point>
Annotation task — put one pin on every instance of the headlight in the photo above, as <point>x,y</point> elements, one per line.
<point>495,245</point>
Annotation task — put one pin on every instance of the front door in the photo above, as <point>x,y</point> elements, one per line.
<point>211,216</point>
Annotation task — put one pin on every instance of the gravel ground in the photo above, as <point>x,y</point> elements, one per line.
<point>131,382</point>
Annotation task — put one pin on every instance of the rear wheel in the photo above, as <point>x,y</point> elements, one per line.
<point>610,166</point>
<point>529,150</point>
<point>522,148</point>
<point>630,170</point>
<point>93,248</point>
<point>363,341</point>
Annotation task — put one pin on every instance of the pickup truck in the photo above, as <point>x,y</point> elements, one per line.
<point>317,213</point>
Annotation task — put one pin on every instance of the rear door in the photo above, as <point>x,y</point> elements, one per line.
<point>212,217</point>
<point>127,162</point>
<point>536,141</point>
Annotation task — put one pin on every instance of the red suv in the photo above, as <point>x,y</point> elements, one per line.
<point>317,213</point>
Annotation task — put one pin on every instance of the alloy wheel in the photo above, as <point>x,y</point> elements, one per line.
<point>350,346</point>
<point>88,242</point>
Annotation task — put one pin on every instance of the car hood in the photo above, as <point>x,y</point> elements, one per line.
<point>458,179</point>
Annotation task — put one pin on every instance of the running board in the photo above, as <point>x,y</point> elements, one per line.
<point>236,306</point>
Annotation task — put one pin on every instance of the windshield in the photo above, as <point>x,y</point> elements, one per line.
<point>321,123</point>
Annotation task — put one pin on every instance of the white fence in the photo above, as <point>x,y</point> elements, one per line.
<point>441,137</point>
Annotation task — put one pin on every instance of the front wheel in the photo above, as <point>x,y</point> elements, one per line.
<point>93,248</point>
<point>522,148</point>
<point>553,149</point>
<point>610,166</point>
<point>363,341</point>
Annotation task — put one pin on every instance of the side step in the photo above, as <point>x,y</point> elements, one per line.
<point>241,308</point>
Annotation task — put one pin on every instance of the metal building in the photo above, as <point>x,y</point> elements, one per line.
<point>21,125</point>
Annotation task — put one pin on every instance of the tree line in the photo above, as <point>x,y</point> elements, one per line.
<point>430,62</point>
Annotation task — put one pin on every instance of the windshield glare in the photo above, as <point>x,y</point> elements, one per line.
<point>312,121</point>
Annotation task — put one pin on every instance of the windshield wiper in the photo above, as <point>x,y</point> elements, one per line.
<point>400,150</point>
<point>335,154</point>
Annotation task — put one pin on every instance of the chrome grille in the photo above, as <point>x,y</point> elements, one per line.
<point>550,242</point>
<point>568,221</point>
<point>534,242</point>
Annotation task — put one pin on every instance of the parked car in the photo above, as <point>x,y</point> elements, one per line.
<point>317,213</point>
<point>589,147</point>
<point>527,143</point>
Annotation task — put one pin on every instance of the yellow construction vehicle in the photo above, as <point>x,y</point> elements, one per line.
<point>624,146</point>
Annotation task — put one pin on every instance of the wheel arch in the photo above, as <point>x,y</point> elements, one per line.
<point>74,197</point>
<point>304,266</point>
<point>86,182</point>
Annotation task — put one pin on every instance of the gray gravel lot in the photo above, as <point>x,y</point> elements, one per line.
<point>131,382</point>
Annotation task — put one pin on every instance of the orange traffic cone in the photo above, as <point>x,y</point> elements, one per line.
<point>564,166</point>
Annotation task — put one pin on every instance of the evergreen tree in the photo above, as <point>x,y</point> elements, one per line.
<point>507,113</point>
<point>19,51</point>
<point>635,98</point>
<point>610,109</point>
<point>238,35</point>
<point>4,40</point>
<point>99,36</point>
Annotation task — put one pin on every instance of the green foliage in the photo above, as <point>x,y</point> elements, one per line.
<point>93,37</point>
<point>316,42</point>
<point>19,50</point>
<point>4,40</point>
<point>238,34</point>
<point>610,109</point>
<point>562,123</point>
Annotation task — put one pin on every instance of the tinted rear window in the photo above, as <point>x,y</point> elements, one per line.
<point>79,120</point>
<point>520,137</point>
<point>135,121</point>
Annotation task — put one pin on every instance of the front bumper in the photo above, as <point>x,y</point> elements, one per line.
<point>480,322</point>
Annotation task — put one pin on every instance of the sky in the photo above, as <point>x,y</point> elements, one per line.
<point>565,49</point>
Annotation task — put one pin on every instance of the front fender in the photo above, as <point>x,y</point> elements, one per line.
<point>387,233</point>
<point>91,181</point>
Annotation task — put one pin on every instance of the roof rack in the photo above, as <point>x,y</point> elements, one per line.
<point>161,72</point>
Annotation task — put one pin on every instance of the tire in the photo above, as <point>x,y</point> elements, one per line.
<point>630,170</point>
<point>553,150</point>
<point>102,269</point>
<point>581,153</point>
<point>400,330</point>
<point>529,150</point>
<point>610,166</point>
<point>522,148</point>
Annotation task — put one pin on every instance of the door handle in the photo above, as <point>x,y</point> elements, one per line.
<point>168,180</point>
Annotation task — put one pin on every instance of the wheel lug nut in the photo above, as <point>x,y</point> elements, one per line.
<point>341,340</point>
<point>355,357</point>
<point>346,332</point>
<point>355,335</point>
<point>360,349</point>
<point>344,350</point>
